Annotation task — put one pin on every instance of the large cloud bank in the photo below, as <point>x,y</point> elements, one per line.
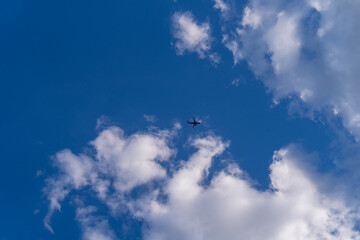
<point>189,203</point>
<point>305,48</point>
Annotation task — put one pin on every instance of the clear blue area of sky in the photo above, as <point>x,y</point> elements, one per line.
<point>63,64</point>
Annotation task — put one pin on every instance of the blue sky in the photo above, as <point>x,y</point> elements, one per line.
<point>274,84</point>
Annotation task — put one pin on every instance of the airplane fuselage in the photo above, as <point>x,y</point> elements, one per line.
<point>194,123</point>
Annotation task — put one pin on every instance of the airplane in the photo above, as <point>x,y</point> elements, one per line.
<point>194,122</point>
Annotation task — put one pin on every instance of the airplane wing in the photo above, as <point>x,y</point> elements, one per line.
<point>194,119</point>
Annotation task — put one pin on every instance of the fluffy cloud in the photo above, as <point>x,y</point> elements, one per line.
<point>191,36</point>
<point>251,18</point>
<point>231,208</point>
<point>190,203</point>
<point>307,49</point>
<point>94,228</point>
<point>222,6</point>
<point>75,172</point>
<point>121,163</point>
<point>130,161</point>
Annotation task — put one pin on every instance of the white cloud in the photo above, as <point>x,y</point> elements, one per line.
<point>231,208</point>
<point>222,6</point>
<point>190,203</point>
<point>304,48</point>
<point>192,36</point>
<point>150,118</point>
<point>130,161</point>
<point>185,183</point>
<point>251,18</point>
<point>93,228</point>
<point>74,173</point>
<point>233,46</point>
<point>121,162</point>
<point>283,43</point>
<point>103,122</point>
